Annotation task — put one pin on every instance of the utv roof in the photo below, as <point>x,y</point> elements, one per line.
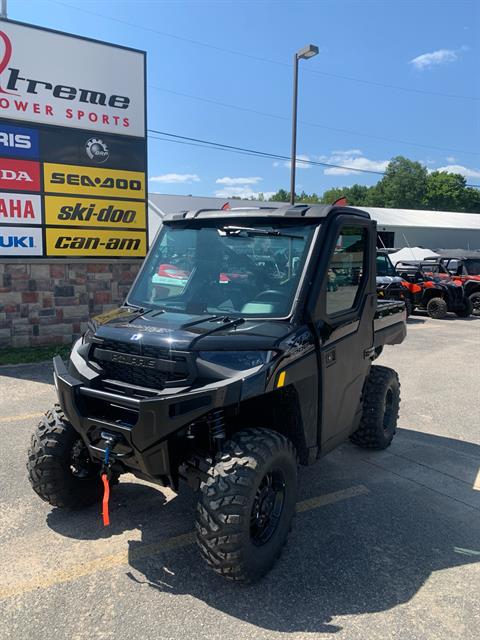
<point>460,254</point>
<point>287,211</point>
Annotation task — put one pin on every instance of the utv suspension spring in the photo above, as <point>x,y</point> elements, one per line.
<point>216,423</point>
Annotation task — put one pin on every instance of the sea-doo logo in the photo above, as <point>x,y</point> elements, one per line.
<point>65,178</point>
<point>97,150</point>
<point>136,336</point>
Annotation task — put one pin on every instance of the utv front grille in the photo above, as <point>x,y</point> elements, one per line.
<point>143,365</point>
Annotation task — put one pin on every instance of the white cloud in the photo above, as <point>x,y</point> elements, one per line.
<point>230,182</point>
<point>300,165</point>
<point>353,160</point>
<point>242,192</point>
<point>175,178</point>
<point>458,168</point>
<point>428,60</point>
<point>347,152</point>
<point>450,159</point>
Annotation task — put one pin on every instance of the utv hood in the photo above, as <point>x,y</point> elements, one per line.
<point>184,332</point>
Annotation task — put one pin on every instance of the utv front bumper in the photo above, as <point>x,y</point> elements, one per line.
<point>144,430</point>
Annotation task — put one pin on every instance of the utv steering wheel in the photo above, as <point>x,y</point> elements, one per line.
<point>271,295</point>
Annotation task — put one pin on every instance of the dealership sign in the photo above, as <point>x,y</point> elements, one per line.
<point>72,145</point>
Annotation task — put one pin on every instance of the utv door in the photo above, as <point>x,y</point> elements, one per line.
<point>344,324</point>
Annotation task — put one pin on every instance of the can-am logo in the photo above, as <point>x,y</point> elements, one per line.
<point>21,175</point>
<point>97,150</point>
<point>15,83</point>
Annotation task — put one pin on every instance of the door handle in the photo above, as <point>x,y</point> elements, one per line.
<point>330,357</point>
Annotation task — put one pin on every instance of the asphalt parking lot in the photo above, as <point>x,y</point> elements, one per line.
<point>385,545</point>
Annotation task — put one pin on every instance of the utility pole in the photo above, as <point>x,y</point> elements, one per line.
<point>3,9</point>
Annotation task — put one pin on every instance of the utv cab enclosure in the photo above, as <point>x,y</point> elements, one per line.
<point>244,347</point>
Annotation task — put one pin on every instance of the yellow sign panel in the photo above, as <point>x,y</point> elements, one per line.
<point>95,242</point>
<point>88,212</point>
<point>68,178</point>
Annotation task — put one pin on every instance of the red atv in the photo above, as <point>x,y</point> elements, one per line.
<point>461,267</point>
<point>439,292</point>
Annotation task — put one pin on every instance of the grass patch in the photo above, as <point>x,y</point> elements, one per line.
<point>28,355</point>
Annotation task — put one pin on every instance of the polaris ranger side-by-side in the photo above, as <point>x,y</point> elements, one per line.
<point>244,346</point>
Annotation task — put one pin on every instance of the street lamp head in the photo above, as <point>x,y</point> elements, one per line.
<point>307,52</point>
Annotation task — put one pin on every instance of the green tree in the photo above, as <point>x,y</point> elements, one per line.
<point>281,196</point>
<point>331,195</point>
<point>445,191</point>
<point>404,184</point>
<point>472,200</point>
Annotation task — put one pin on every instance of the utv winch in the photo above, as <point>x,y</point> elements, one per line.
<point>244,347</point>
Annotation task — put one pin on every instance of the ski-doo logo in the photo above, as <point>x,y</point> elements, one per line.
<point>17,141</point>
<point>19,175</point>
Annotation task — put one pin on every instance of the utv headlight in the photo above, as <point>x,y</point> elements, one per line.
<point>236,360</point>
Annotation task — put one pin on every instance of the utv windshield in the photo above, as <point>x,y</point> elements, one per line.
<point>233,268</point>
<point>473,267</point>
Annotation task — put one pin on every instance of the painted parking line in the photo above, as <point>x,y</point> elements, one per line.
<point>476,484</point>
<point>90,567</point>
<point>25,416</point>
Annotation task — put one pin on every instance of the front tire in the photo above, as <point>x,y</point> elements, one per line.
<point>247,504</point>
<point>59,467</point>
<point>437,308</point>
<point>380,409</point>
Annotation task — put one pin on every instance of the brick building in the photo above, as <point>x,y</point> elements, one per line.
<point>44,302</point>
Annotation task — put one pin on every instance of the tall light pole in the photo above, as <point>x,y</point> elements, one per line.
<point>304,54</point>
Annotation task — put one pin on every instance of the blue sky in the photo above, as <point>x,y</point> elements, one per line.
<point>426,51</point>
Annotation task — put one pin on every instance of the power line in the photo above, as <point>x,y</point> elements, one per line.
<point>264,154</point>
<point>266,60</point>
<point>310,124</point>
<point>217,146</point>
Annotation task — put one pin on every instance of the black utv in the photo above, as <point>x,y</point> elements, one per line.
<point>244,347</point>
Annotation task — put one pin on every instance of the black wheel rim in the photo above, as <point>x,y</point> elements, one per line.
<point>267,507</point>
<point>80,462</point>
<point>388,415</point>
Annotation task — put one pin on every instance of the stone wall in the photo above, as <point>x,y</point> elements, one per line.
<point>49,302</point>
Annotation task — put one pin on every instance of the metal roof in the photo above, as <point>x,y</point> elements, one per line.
<point>164,204</point>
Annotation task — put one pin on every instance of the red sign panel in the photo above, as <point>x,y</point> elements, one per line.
<point>19,175</point>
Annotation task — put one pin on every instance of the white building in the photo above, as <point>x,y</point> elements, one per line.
<point>397,227</point>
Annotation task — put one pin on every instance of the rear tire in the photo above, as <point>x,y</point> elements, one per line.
<point>437,308</point>
<point>59,467</point>
<point>247,504</point>
<point>475,300</point>
<point>466,310</point>
<point>380,409</point>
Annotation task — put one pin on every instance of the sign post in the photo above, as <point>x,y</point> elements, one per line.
<point>73,146</point>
